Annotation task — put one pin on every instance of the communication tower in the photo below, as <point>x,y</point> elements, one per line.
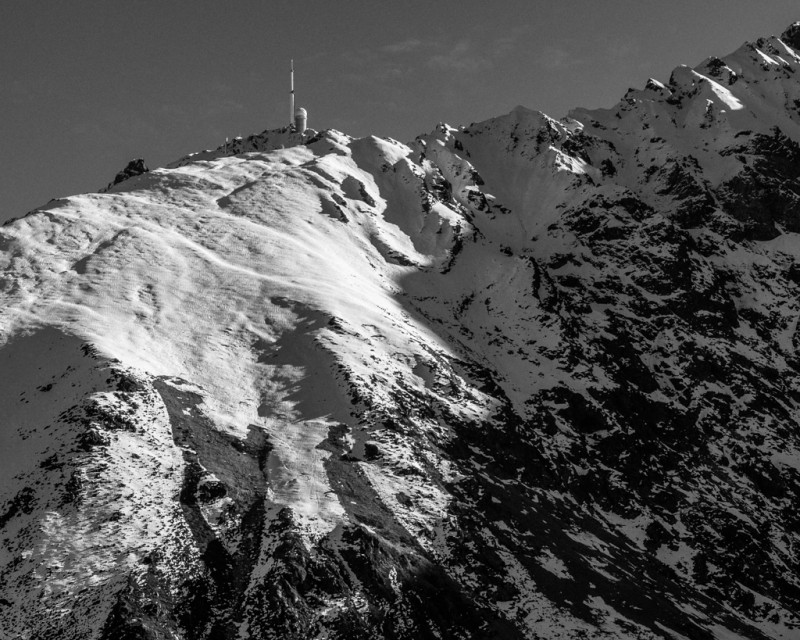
<point>298,118</point>
<point>291,92</point>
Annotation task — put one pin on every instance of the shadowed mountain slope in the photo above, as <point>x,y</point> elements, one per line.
<point>529,378</point>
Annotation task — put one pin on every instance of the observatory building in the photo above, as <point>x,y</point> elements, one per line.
<point>300,120</point>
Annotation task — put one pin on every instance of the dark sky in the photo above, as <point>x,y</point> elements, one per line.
<point>87,85</point>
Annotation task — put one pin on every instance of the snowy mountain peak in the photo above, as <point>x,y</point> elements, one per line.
<point>792,36</point>
<point>526,378</point>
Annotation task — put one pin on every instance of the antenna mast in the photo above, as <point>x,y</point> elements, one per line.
<point>291,93</point>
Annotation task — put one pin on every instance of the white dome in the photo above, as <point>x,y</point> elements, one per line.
<point>300,112</point>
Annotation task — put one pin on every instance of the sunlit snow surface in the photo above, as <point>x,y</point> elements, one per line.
<point>534,369</point>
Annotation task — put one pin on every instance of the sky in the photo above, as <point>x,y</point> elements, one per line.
<point>87,85</point>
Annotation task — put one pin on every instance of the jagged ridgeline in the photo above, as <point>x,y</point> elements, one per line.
<point>529,378</point>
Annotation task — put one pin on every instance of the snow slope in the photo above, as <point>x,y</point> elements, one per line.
<point>526,378</point>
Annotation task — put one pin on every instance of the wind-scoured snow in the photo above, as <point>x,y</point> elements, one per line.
<point>525,378</point>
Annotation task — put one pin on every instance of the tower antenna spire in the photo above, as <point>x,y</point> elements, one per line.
<point>291,92</point>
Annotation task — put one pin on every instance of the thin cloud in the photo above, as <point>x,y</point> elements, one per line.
<point>406,46</point>
<point>462,57</point>
<point>559,57</point>
<point>470,54</point>
<point>475,53</point>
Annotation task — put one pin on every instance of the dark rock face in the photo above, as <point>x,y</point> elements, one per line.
<point>349,567</point>
<point>22,503</point>
<point>680,461</point>
<point>792,36</point>
<point>135,167</point>
<point>766,191</point>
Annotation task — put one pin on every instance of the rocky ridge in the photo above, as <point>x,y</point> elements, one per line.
<point>529,378</point>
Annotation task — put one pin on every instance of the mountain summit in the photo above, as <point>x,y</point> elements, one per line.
<point>529,378</point>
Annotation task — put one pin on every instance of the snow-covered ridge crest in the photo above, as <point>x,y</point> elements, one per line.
<point>524,378</point>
